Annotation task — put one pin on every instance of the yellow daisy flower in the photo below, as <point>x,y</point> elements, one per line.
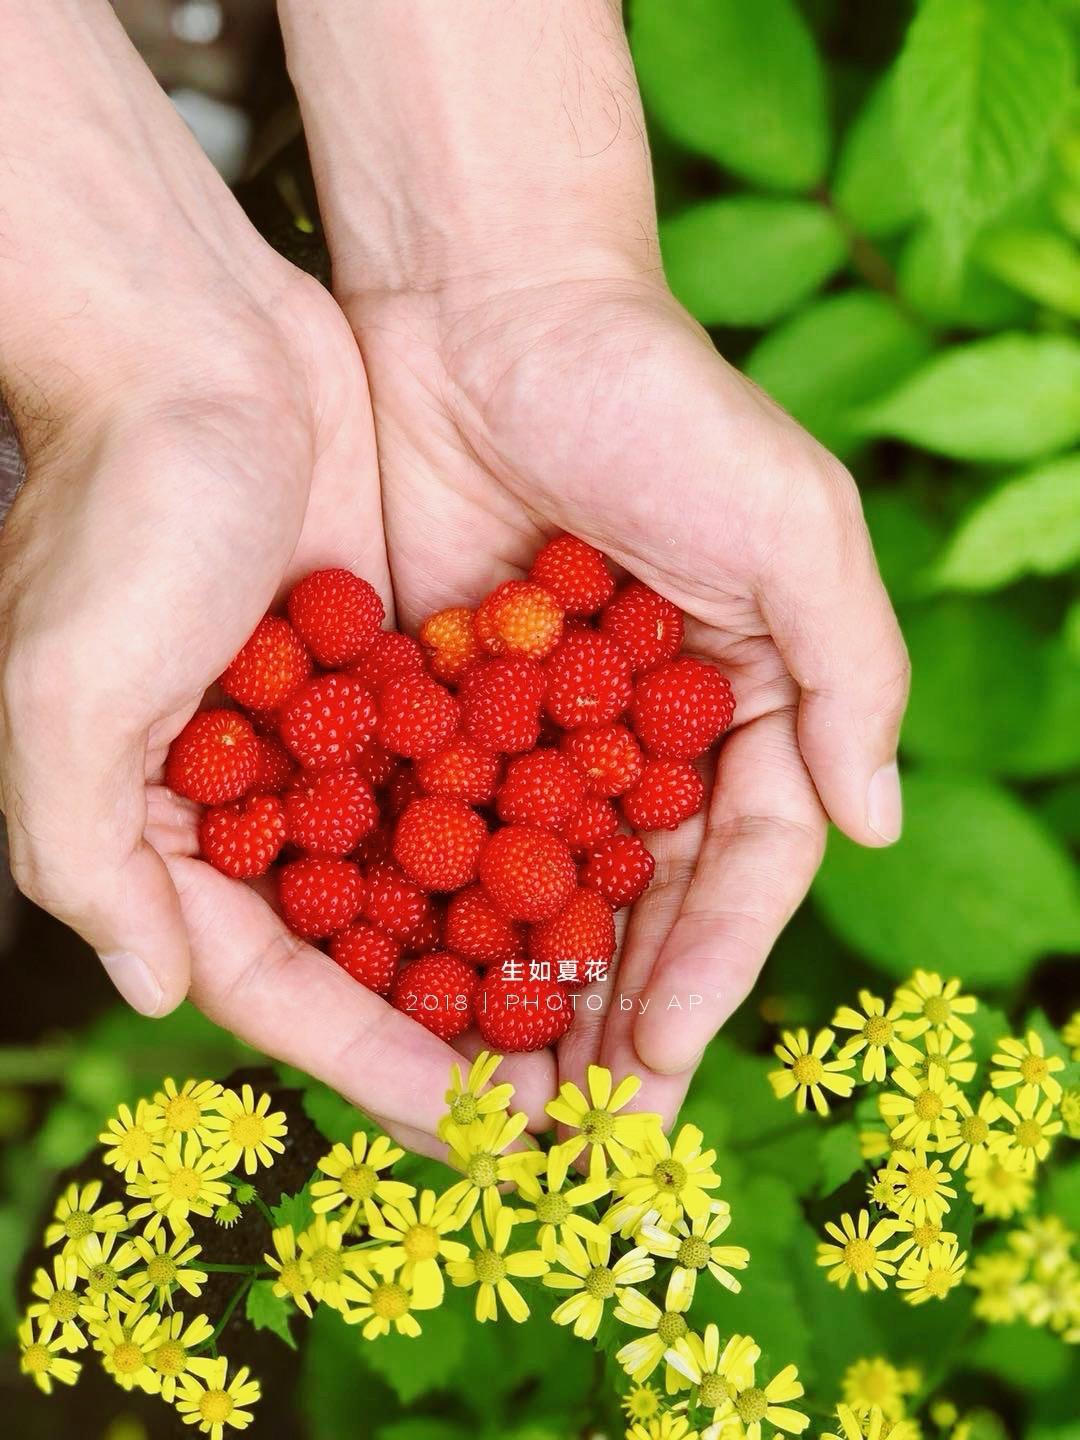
<point>183,1180</point>
<point>165,1264</point>
<point>974,1131</point>
<point>599,1125</point>
<point>481,1152</point>
<point>1043,1243</point>
<point>382,1305</point>
<point>1032,1128</point>
<point>129,1139</point>
<point>355,1179</point>
<point>467,1100</point>
<point>999,1279</point>
<point>719,1373</point>
<point>920,1238</point>
<point>875,1034</point>
<point>553,1205</point>
<point>999,1183</point>
<point>920,1186</point>
<point>692,1245</point>
<point>587,1270</point>
<point>245,1129</point>
<point>807,1072</point>
<point>879,1188</point>
<point>185,1109</point>
<point>492,1269</point>
<point>874,1381</point>
<point>642,1402</point>
<point>1054,1300</point>
<point>293,1272</point>
<point>953,1058</point>
<point>857,1252</point>
<point>923,1114</point>
<point>873,1424</point>
<point>932,1001</point>
<point>670,1177</point>
<point>930,1274</point>
<point>43,1360</point>
<point>753,1405</point>
<point>1026,1063</point>
<point>171,1357</point>
<point>125,1344</point>
<point>77,1216</point>
<point>210,1400</point>
<point>662,1427</point>
<point>415,1239</point>
<point>1070,1034</point>
<point>665,1328</point>
<point>58,1302</point>
<point>326,1263</point>
<point>102,1265</point>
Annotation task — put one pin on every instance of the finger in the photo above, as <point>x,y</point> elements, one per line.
<point>764,840</point>
<point>831,619</point>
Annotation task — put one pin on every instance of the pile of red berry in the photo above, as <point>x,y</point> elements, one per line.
<point>450,814</point>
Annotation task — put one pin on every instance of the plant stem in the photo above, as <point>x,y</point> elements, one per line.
<point>251,1270</point>
<point>238,1294</point>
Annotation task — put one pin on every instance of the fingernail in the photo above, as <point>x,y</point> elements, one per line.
<point>135,981</point>
<point>884,807</point>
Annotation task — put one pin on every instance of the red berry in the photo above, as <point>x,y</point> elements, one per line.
<point>669,792</point>
<point>214,759</point>
<point>594,820</point>
<point>479,932</point>
<point>395,904</point>
<point>515,1013</point>
<point>403,789</point>
<point>528,873</point>
<point>501,704</point>
<point>329,814</point>
<point>645,626</point>
<point>543,788</point>
<point>451,642</point>
<point>437,842</point>
<point>328,721</point>
<point>243,839</point>
<point>276,768</point>
<point>418,716</point>
<point>337,614</point>
<point>519,617</point>
<point>374,849</point>
<point>320,896</point>
<point>374,763</point>
<point>619,869</point>
<point>437,991</point>
<point>576,944</point>
<point>463,770</point>
<point>609,757</point>
<point>428,934</point>
<point>681,707</point>
<point>369,955</point>
<point>588,681</point>
<point>389,655</point>
<point>269,667</point>
<point>575,574</point>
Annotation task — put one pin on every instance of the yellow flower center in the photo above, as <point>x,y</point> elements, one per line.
<point>600,1282</point>
<point>672,1326</point>
<point>421,1242</point>
<point>359,1182</point>
<point>877,1386</point>
<point>715,1390</point>
<point>974,1130</point>
<point>248,1130</point>
<point>390,1300</point>
<point>78,1224</point>
<point>752,1405</point>
<point>597,1126</point>
<point>184,1184</point>
<point>136,1143</point>
<point>552,1209</point>
<point>644,1403</point>
<point>216,1406</point>
<point>1033,1068</point>
<point>483,1170</point>
<point>808,1070</point>
<point>490,1267</point>
<point>170,1358</point>
<point>35,1360</point>
<point>928,1105</point>
<point>877,1030</point>
<point>1028,1134</point>
<point>670,1176</point>
<point>464,1109</point>
<point>326,1264</point>
<point>859,1256</point>
<point>925,1235</point>
<point>182,1112</point>
<point>63,1305</point>
<point>161,1270</point>
<point>937,1009</point>
<point>938,1282</point>
<point>693,1253</point>
<point>292,1277</point>
<point>921,1182</point>
<point>102,1278</point>
<point>127,1358</point>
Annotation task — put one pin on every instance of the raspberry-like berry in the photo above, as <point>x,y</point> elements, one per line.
<point>451,642</point>
<point>575,574</point>
<point>519,617</point>
<point>418,716</point>
<point>330,813</point>
<point>374,763</point>
<point>369,955</point>
<point>594,820</point>
<point>528,873</point>
<point>389,655</point>
<point>244,838</point>
<point>681,707</point>
<point>269,667</point>
<point>437,991</point>
<point>463,770</point>
<point>479,932</point>
<point>669,792</point>
<point>337,614</point>
<point>544,788</point>
<point>609,757</point>
<point>437,842</point>
<point>375,848</point>
<point>276,767</point>
<point>645,626</point>
<point>395,904</point>
<point>588,681</point>
<point>501,704</point>
<point>320,896</point>
<point>619,869</point>
<point>428,935</point>
<point>514,1015</point>
<point>579,941</point>
<point>214,759</point>
<point>328,721</point>
<point>403,789</point>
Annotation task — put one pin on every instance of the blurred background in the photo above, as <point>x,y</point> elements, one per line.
<point>922,323</point>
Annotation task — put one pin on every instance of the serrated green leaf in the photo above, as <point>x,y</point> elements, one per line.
<point>977,887</point>
<point>833,357</point>
<point>294,1210</point>
<point>1028,523</point>
<point>268,1311</point>
<point>840,1156</point>
<point>741,83</point>
<point>414,1367</point>
<point>980,86</point>
<point>748,259</point>
<point>871,185</point>
<point>1009,398</point>
<point>953,296</point>
<point>1042,264</point>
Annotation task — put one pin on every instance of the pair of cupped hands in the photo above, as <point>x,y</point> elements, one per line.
<point>213,424</point>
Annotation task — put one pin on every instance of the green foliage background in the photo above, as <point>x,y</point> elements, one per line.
<point>875,213</point>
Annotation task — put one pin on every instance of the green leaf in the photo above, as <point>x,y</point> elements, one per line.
<point>905,538</point>
<point>414,1367</point>
<point>424,1427</point>
<point>1013,397</point>
<point>294,1210</point>
<point>977,887</point>
<point>949,296</point>
<point>334,1117</point>
<point>749,259</point>
<point>871,186</point>
<point>840,1156</point>
<point>268,1311</point>
<point>980,85</point>
<point>1021,1355</point>
<point>1030,522</point>
<point>1042,264</point>
<point>742,83</point>
<point>835,356</point>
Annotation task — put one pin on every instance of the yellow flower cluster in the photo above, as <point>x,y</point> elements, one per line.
<point>1035,1277</point>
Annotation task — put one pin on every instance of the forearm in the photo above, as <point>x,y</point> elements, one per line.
<point>451,139</point>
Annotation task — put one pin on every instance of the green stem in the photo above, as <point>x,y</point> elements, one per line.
<point>32,1065</point>
<point>238,1294</point>
<point>251,1270</point>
